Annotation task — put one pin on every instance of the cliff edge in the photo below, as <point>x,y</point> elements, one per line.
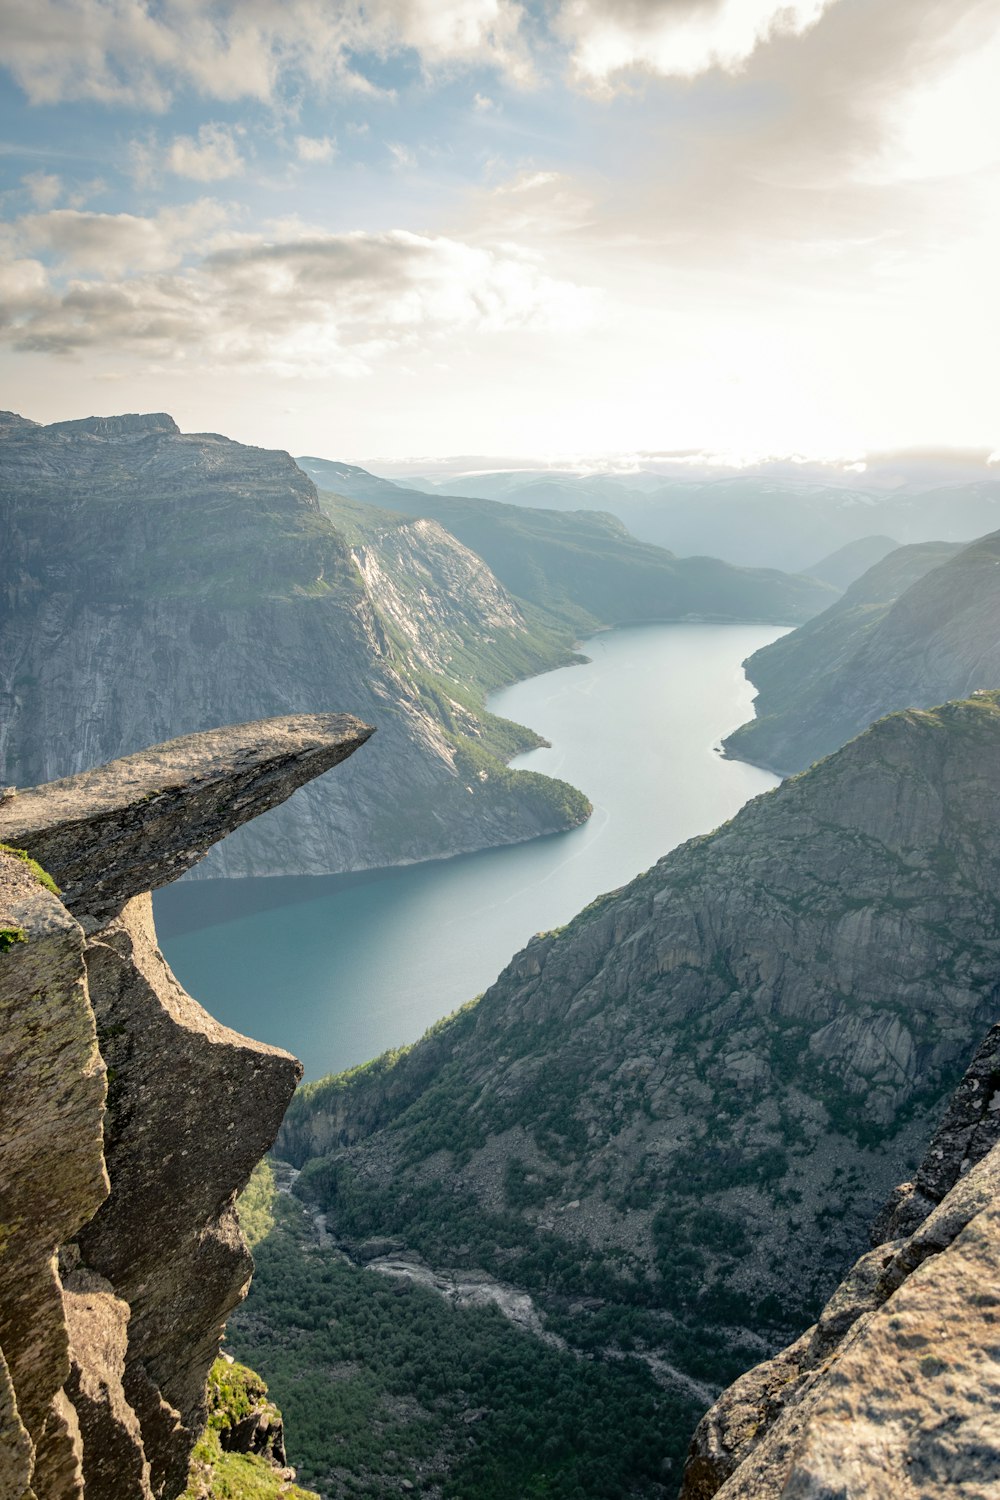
<point>130,1118</point>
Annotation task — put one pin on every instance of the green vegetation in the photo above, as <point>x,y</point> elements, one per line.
<point>11,935</point>
<point>42,876</point>
<point>234,1392</point>
<point>383,1382</point>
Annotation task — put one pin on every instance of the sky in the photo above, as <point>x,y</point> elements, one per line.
<point>559,227</point>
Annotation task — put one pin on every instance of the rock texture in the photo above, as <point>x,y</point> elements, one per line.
<point>155,583</point>
<point>920,627</point>
<point>896,1390</point>
<point>693,1098</point>
<point>130,1118</point>
<point>140,822</point>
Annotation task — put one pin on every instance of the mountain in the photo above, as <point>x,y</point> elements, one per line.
<point>670,1122</point>
<point>131,1119</point>
<point>841,568</point>
<point>154,582</point>
<point>788,524</point>
<point>920,627</point>
<point>894,1389</point>
<point>582,567</point>
<point>783,516</point>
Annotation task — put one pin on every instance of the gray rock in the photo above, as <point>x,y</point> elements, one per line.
<point>120,1249</point>
<point>140,822</point>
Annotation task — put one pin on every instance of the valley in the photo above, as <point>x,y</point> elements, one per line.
<point>366,963</point>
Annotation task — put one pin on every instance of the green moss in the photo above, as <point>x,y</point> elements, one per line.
<point>42,876</point>
<point>234,1392</point>
<point>11,935</point>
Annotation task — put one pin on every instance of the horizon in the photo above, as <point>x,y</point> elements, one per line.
<point>758,232</point>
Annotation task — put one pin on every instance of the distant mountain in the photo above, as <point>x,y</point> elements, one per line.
<point>921,626</point>
<point>841,568</point>
<point>582,567</point>
<point>672,1120</point>
<point>154,582</point>
<point>782,519</point>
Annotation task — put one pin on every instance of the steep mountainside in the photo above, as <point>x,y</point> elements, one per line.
<point>688,1103</point>
<point>841,568</point>
<point>583,567</point>
<point>895,1390</point>
<point>920,627</point>
<point>130,1119</point>
<point>153,583</point>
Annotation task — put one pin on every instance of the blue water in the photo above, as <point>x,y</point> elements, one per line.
<point>338,968</point>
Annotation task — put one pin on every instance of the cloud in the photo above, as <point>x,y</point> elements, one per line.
<point>818,162</point>
<point>209,158</point>
<point>44,188</point>
<point>129,53</point>
<point>675,38</point>
<point>315,305</point>
<point>403,159</point>
<point>315,148</point>
<point>118,244</point>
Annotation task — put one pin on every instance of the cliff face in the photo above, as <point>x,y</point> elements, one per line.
<point>153,583</point>
<point>692,1098</point>
<point>130,1118</point>
<point>584,566</point>
<point>895,1390</point>
<point>921,627</point>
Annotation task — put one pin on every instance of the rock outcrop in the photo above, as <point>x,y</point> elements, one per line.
<point>155,583</point>
<point>693,1098</point>
<point>130,1119</point>
<point>920,627</point>
<point>896,1389</point>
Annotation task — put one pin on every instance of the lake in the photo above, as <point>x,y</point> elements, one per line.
<point>339,968</point>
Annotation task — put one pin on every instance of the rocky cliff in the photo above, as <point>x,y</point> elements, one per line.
<point>895,1390</point>
<point>687,1104</point>
<point>583,567</point>
<point>153,583</point>
<point>918,628</point>
<point>130,1118</point>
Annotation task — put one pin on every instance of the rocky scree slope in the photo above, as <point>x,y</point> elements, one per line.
<point>154,583</point>
<point>691,1099</point>
<point>130,1117</point>
<point>919,628</point>
<point>895,1390</point>
<point>583,568</point>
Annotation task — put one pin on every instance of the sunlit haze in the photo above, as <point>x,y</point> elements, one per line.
<point>409,229</point>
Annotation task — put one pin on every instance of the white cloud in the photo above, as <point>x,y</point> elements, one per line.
<point>209,158</point>
<point>675,38</point>
<point>312,148</point>
<point>45,188</point>
<point>117,244</point>
<point>128,52</point>
<point>403,159</point>
<point>947,124</point>
<point>309,306</point>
